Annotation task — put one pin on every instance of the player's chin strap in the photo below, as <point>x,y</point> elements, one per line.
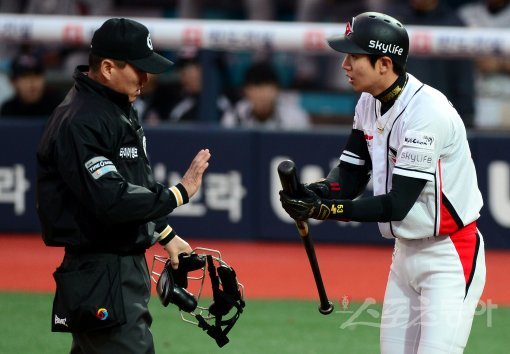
<point>224,301</point>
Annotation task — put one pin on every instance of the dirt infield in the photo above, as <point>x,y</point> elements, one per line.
<point>268,270</point>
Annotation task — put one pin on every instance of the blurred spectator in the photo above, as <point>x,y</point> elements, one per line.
<point>453,77</point>
<point>60,59</point>
<point>187,106</point>
<point>263,104</point>
<point>67,7</point>
<point>308,72</point>
<point>305,70</point>
<point>270,10</point>
<point>263,10</point>
<point>152,105</point>
<point>31,98</point>
<point>63,58</point>
<point>6,90</point>
<point>181,102</point>
<point>492,104</point>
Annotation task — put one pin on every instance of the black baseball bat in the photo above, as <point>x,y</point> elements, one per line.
<point>290,184</point>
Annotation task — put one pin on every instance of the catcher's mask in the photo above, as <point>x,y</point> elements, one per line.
<point>228,293</point>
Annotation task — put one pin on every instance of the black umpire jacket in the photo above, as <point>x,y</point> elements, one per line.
<point>95,188</point>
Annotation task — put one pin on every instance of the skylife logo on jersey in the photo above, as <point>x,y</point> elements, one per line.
<point>385,48</point>
<point>416,158</point>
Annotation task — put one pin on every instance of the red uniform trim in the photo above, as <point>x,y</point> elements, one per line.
<point>447,222</point>
<point>466,242</point>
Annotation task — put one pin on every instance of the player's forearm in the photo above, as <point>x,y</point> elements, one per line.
<point>393,206</point>
<point>344,181</point>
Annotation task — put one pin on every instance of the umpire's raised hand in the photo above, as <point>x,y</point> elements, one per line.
<point>192,179</point>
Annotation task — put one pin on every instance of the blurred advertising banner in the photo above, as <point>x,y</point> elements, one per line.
<point>239,197</point>
<point>231,35</point>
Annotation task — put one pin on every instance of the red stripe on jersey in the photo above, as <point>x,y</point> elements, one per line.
<point>464,241</point>
<point>447,222</point>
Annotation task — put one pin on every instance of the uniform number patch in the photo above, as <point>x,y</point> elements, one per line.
<point>99,166</point>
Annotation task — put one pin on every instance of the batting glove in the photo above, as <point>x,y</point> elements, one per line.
<point>324,188</point>
<point>307,205</point>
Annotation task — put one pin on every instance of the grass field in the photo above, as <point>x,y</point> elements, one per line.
<point>267,326</point>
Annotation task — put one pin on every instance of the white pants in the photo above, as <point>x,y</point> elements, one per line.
<point>433,289</point>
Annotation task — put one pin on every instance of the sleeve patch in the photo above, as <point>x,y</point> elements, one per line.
<point>99,166</point>
<point>416,158</point>
<point>419,140</point>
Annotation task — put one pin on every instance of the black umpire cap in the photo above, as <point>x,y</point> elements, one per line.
<point>128,40</point>
<point>374,33</point>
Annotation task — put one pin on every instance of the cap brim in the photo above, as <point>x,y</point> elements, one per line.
<point>344,45</point>
<point>153,64</point>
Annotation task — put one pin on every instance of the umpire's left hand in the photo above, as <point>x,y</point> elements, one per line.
<point>176,247</point>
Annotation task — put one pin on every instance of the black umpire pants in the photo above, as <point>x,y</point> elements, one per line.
<point>134,336</point>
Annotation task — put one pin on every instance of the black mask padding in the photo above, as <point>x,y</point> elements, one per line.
<point>170,292</point>
<point>225,299</point>
<point>187,263</point>
<point>229,281</point>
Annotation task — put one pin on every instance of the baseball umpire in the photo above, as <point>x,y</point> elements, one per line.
<point>97,197</point>
<point>411,141</point>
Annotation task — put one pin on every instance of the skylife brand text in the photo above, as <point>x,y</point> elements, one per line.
<point>385,48</point>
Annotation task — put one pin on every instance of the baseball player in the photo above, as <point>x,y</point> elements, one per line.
<point>412,142</point>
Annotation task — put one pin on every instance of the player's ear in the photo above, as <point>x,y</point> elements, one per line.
<point>385,64</point>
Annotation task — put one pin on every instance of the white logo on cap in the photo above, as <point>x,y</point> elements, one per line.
<point>385,48</point>
<point>149,42</point>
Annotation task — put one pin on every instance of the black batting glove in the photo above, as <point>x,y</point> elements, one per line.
<point>307,205</point>
<point>321,188</point>
<point>325,188</point>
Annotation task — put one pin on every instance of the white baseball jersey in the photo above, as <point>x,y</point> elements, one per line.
<point>420,136</point>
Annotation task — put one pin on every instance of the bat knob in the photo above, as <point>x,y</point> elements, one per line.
<point>326,310</point>
<point>287,167</point>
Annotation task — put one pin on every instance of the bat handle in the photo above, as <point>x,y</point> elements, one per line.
<point>302,227</point>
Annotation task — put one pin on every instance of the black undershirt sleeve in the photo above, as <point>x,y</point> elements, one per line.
<point>352,179</point>
<point>393,206</point>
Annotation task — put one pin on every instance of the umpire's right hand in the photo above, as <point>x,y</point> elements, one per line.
<point>192,179</point>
